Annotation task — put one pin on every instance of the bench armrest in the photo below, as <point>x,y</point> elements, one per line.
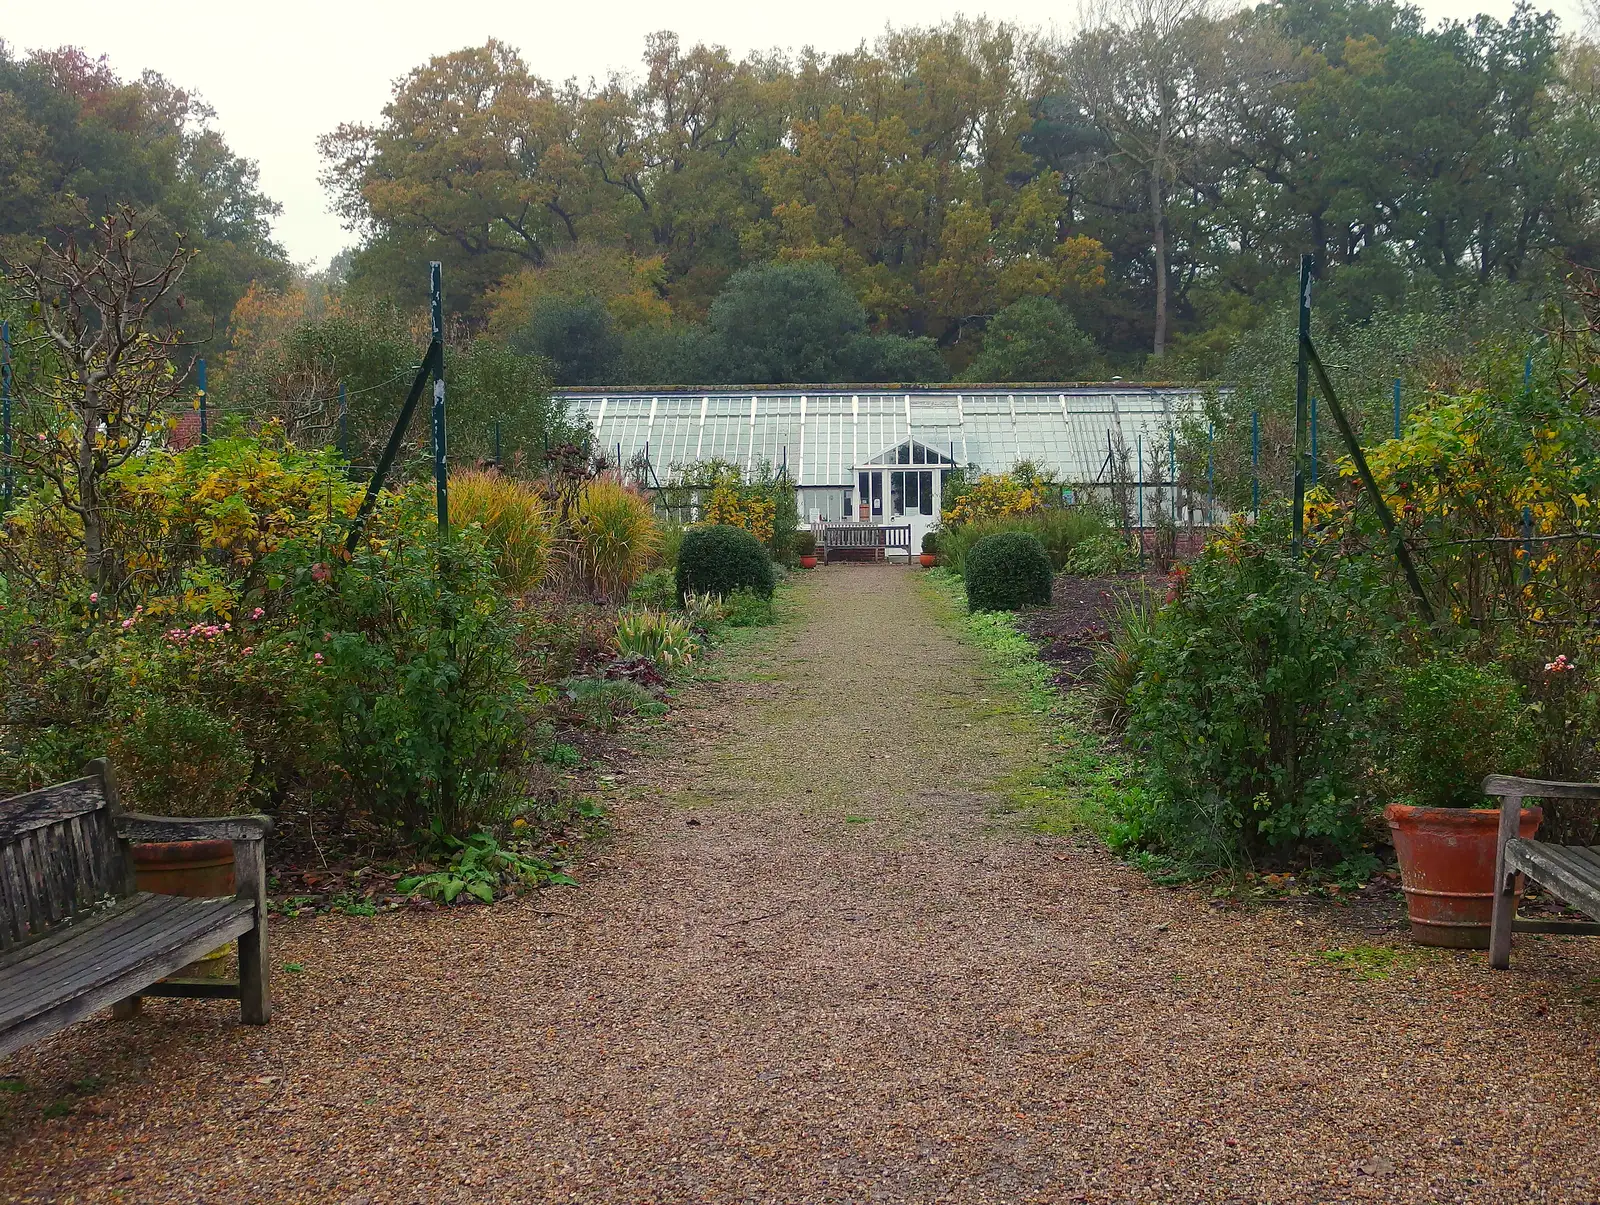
<point>136,826</point>
<point>1505,786</point>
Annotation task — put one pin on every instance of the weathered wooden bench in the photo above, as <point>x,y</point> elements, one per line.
<point>75,936</point>
<point>1570,871</point>
<point>875,539</point>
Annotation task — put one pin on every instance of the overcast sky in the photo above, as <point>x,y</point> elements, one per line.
<point>279,74</point>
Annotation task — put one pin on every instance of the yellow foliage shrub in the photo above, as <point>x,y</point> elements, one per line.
<point>516,522</point>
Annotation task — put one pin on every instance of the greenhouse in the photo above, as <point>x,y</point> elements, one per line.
<point>880,457</point>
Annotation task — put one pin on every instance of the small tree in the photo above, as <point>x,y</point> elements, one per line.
<point>115,381</point>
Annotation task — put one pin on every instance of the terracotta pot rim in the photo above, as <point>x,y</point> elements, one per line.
<point>1400,813</point>
<point>153,853</point>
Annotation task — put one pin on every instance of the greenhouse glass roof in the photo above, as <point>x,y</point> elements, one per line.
<point>823,436</point>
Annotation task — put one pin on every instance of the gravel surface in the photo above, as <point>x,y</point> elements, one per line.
<point>815,965</point>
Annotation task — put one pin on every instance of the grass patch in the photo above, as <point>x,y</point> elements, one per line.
<point>1370,962</point>
<point>1084,778</point>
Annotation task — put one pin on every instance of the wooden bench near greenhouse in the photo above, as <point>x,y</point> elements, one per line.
<point>1570,871</point>
<point>75,935</point>
<point>851,540</point>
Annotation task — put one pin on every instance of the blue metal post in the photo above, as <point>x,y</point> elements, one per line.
<point>1527,372</point>
<point>1397,407</point>
<point>5,404</point>
<point>204,430</point>
<point>1255,464</point>
<point>441,476</point>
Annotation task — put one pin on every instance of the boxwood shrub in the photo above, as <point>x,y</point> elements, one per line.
<point>1007,570</point>
<point>719,559</point>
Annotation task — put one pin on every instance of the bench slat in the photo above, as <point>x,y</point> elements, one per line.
<point>1571,871</point>
<point>122,918</point>
<point>103,956</point>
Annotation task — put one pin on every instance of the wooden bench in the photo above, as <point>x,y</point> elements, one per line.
<point>75,936</point>
<point>1570,871</point>
<point>874,538</point>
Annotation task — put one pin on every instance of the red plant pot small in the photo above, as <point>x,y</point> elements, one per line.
<point>199,869</point>
<point>1447,869</point>
<point>927,559</point>
<point>808,562</point>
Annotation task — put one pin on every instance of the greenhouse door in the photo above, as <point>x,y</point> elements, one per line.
<point>870,500</point>
<point>914,502</point>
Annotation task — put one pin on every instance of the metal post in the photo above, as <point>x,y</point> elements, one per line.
<point>1139,443</point>
<point>1313,440</point>
<point>1397,407</point>
<point>441,476</point>
<point>5,405</point>
<point>1172,471</point>
<point>204,432</point>
<point>1211,479</point>
<point>344,423</point>
<point>1527,372</point>
<point>1527,544</point>
<point>1255,464</point>
<point>1302,378</point>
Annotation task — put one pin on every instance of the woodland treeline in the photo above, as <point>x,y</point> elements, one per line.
<point>969,199</point>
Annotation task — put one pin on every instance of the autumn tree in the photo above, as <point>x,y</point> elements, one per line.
<point>94,302</point>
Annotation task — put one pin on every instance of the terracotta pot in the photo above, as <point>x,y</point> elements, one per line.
<point>200,869</point>
<point>927,559</point>
<point>1447,869</point>
<point>808,562</point>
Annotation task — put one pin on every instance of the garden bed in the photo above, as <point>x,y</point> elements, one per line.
<point>1070,629</point>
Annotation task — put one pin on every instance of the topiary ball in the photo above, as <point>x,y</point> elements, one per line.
<point>719,560</point>
<point>1007,570</point>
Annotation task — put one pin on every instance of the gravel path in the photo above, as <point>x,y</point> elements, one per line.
<point>819,963</point>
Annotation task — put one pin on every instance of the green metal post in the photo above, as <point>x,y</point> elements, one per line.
<point>1527,544</point>
<point>1313,440</point>
<point>1255,464</point>
<point>1301,387</point>
<point>344,424</point>
<point>1139,443</point>
<point>441,475</point>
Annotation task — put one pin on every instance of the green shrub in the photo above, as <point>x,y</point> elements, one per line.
<point>654,590</point>
<point>805,542</point>
<point>930,543</point>
<point>1453,723</point>
<point>414,647</point>
<point>1119,660</point>
<point>601,702</point>
<point>1006,571</point>
<point>719,559</point>
<point>746,609</point>
<point>1102,554</point>
<point>664,639</point>
<point>174,756</point>
<point>1060,531</point>
<point>1250,704</point>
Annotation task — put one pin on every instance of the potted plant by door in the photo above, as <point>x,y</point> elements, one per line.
<point>930,549</point>
<point>805,547</point>
<point>1456,723</point>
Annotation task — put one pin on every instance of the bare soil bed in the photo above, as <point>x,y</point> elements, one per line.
<point>819,963</point>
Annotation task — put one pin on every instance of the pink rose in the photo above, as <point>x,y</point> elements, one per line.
<point>257,613</point>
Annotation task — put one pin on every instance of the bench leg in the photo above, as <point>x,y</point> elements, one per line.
<point>1505,887</point>
<point>127,1009</point>
<point>250,877</point>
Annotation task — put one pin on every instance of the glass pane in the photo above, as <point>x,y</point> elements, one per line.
<point>877,494</point>
<point>912,482</point>
<point>897,493</point>
<point>925,490</point>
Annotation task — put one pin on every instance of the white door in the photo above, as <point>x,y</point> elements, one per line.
<point>913,500</point>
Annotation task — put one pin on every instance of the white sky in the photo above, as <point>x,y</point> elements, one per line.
<point>279,74</point>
